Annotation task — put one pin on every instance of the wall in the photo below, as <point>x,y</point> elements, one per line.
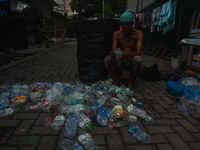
<point>132,4</point>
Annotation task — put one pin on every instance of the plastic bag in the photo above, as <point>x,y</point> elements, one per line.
<point>192,91</point>
<point>175,88</point>
<point>190,81</point>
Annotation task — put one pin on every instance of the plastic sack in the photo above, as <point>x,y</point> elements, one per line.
<point>192,91</point>
<point>175,88</point>
<point>190,81</point>
<point>94,43</point>
<point>150,74</point>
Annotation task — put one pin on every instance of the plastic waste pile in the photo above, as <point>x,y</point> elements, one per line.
<point>78,106</point>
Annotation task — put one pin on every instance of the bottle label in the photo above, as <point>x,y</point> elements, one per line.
<point>78,147</point>
<point>83,137</point>
<point>60,117</point>
<point>133,130</point>
<point>33,108</point>
<point>130,107</point>
<point>75,101</point>
<point>45,102</point>
<point>9,111</point>
<point>84,121</point>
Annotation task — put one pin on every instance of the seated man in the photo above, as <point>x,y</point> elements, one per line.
<point>130,43</point>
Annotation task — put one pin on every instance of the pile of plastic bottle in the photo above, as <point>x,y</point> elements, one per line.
<point>78,105</point>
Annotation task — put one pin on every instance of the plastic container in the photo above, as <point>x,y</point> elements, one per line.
<point>86,140</point>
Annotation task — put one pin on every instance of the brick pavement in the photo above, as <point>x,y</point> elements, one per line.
<point>24,130</point>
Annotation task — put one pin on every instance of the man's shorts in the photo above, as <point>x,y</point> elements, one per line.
<point>128,63</point>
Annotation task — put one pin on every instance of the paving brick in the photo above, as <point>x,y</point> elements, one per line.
<point>99,139</point>
<point>27,148</point>
<point>42,116</point>
<point>8,147</point>
<point>184,133</point>
<point>157,94</point>
<point>192,120</point>
<point>159,129</point>
<point>177,142</point>
<point>152,113</point>
<point>115,142</point>
<point>158,108</point>
<point>24,140</point>
<point>102,148</point>
<point>127,137</point>
<point>168,100</point>
<point>158,138</point>
<point>187,125</point>
<point>173,110</point>
<point>23,127</point>
<point>39,130</point>
<point>47,142</point>
<point>104,130</point>
<point>171,115</point>
<point>25,116</point>
<point>164,104</point>
<point>153,97</point>
<point>9,123</point>
<point>194,146</point>
<point>166,122</point>
<point>165,147</point>
<point>141,147</point>
<point>197,136</point>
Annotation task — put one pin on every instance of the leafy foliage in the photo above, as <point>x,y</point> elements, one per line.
<point>94,8</point>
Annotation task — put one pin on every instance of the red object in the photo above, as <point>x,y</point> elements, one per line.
<point>45,102</point>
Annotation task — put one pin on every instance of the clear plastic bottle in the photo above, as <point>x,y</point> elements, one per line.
<point>118,54</point>
<point>116,125</point>
<point>148,118</point>
<point>58,122</point>
<point>139,134</point>
<point>102,117</point>
<point>113,115</point>
<point>132,119</point>
<point>68,144</point>
<point>86,140</point>
<point>136,111</point>
<point>8,111</point>
<point>84,121</point>
<point>71,127</point>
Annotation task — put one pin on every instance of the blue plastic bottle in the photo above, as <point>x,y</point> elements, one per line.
<point>71,127</point>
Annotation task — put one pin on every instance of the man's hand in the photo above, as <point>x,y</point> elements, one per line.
<point>125,54</point>
<point>113,54</point>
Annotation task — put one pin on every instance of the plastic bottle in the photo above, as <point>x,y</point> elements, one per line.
<point>118,54</point>
<point>148,118</point>
<point>68,144</point>
<point>84,121</point>
<point>47,122</point>
<point>8,111</point>
<point>58,122</point>
<point>71,127</point>
<point>116,125</point>
<point>113,115</point>
<point>86,140</point>
<point>132,119</point>
<point>139,134</point>
<point>102,116</point>
<point>134,100</point>
<point>136,111</point>
<point>119,110</point>
<point>125,114</point>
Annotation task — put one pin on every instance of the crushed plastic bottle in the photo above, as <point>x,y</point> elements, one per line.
<point>71,127</point>
<point>139,134</point>
<point>84,121</point>
<point>8,111</point>
<point>116,125</point>
<point>47,122</point>
<point>68,144</point>
<point>132,119</point>
<point>113,115</point>
<point>58,122</point>
<point>118,54</point>
<point>102,116</point>
<point>86,140</point>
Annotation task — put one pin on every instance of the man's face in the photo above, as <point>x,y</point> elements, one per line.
<point>126,26</point>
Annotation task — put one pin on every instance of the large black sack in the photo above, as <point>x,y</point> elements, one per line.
<point>94,43</point>
<point>150,74</point>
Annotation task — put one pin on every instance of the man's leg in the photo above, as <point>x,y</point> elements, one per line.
<point>137,62</point>
<point>110,65</point>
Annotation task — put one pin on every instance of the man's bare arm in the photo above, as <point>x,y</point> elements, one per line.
<point>115,36</point>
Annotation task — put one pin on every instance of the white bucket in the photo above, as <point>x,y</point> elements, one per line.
<point>176,62</point>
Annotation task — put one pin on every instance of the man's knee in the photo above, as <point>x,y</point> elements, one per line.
<point>137,60</point>
<point>109,62</point>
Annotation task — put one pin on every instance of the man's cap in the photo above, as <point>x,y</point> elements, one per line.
<point>127,16</point>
